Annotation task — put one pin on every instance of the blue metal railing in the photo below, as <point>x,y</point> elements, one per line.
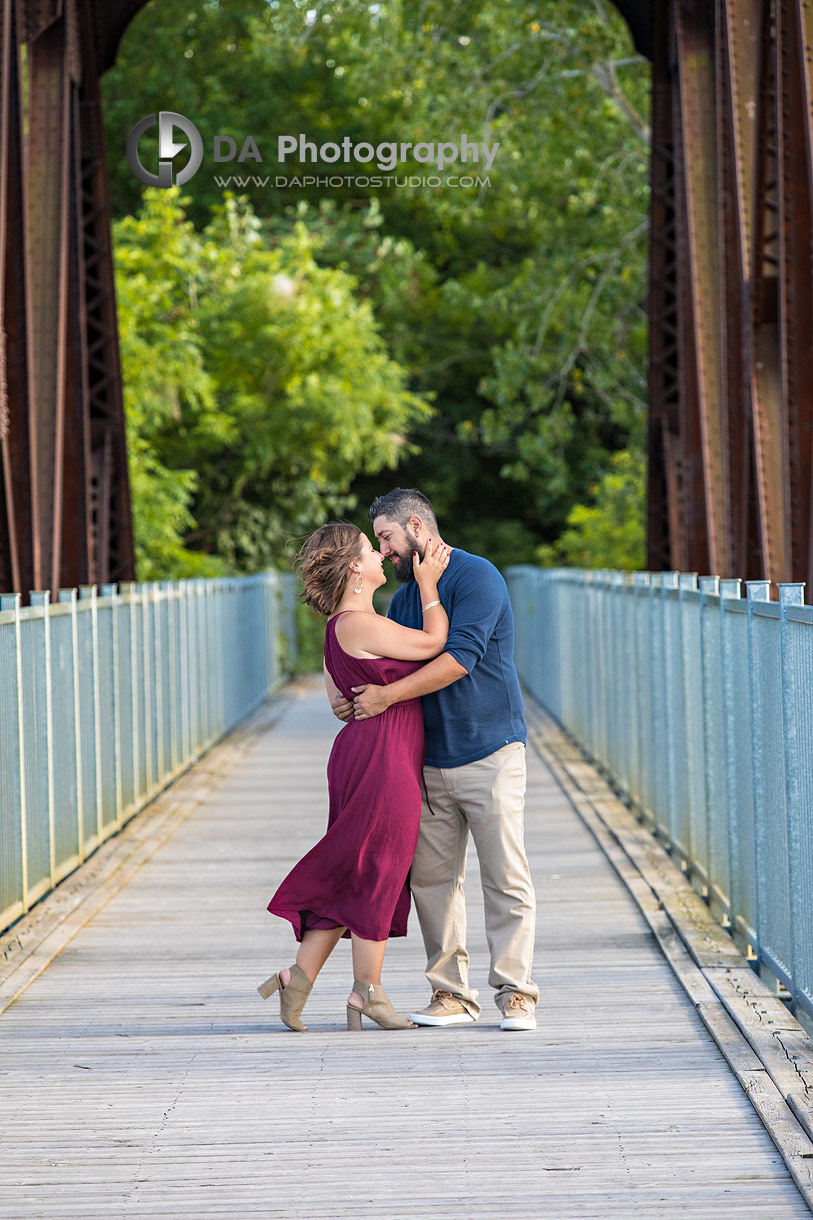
<point>108,695</point>
<point>698,704</point>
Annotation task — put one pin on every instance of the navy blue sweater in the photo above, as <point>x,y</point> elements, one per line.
<point>483,710</point>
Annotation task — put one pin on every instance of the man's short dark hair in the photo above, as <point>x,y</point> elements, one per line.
<point>402,503</point>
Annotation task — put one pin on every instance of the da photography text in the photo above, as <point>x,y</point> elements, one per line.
<point>178,135</point>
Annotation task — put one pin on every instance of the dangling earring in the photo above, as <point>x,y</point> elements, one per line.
<point>359,583</point>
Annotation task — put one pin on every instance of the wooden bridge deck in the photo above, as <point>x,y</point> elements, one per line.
<point>142,1076</point>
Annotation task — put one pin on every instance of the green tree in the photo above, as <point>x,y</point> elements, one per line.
<point>519,305</point>
<point>257,386</point>
<point>610,532</point>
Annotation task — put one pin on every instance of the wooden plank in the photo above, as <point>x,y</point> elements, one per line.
<point>35,940</point>
<point>768,1051</point>
<point>142,1075</point>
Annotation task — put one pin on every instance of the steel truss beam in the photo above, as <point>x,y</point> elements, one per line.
<point>731,289</point>
<point>64,493</point>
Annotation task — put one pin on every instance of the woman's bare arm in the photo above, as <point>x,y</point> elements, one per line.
<point>367,634</point>
<point>372,635</point>
<point>333,692</point>
<point>372,700</point>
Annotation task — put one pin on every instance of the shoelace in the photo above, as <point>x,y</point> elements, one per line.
<point>440,997</point>
<point>516,1001</point>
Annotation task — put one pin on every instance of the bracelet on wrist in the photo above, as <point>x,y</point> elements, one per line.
<point>429,605</point>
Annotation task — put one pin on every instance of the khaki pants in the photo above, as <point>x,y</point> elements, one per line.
<point>486,797</point>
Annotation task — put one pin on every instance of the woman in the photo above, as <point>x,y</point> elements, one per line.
<point>353,883</point>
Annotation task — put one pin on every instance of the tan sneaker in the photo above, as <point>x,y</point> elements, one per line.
<point>518,1013</point>
<point>444,1009</point>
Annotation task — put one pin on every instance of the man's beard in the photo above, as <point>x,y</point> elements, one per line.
<point>404,569</point>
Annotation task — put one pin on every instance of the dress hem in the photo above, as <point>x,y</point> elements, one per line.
<point>295,919</point>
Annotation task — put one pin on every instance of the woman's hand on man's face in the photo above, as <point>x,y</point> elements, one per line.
<point>434,562</point>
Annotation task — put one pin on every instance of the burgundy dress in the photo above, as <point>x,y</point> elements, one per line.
<point>356,876</point>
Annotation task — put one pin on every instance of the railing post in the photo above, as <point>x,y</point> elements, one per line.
<point>716,862</point>
<point>683,694</point>
<point>68,597</point>
<point>112,592</point>
<point>129,592</point>
<point>43,600</point>
<point>11,601</point>
<point>657,740</point>
<point>641,645</point>
<point>758,591</point>
<point>730,590</point>
<point>670,713</point>
<point>90,593</point>
<point>626,618</point>
<point>150,774</point>
<point>791,595</point>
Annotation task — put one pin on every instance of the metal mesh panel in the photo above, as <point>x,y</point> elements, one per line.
<point>716,804</point>
<point>678,779</point>
<point>798,692</point>
<point>86,674</point>
<point>139,677</point>
<point>698,839</point>
<point>11,878</point>
<point>195,675</point>
<point>127,743</point>
<point>152,770</point>
<point>628,659</point>
<point>601,670</point>
<point>549,592</point>
<point>174,705</point>
<point>641,789</point>
<point>67,845</point>
<point>108,719</point>
<point>166,700</point>
<point>110,696</point>
<point>712,694</point>
<point>34,710</point>
<point>769,790</point>
<point>739,785</point>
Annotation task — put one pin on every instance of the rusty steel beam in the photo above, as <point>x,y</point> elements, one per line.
<point>16,534</point>
<point>738,454</point>
<point>737,61</point>
<point>702,310</point>
<point>109,515</point>
<point>64,490</point>
<point>796,44</point>
<point>770,433</point>
<point>663,529</point>
<point>46,255</point>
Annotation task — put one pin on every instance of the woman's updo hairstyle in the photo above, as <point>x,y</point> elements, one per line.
<point>323,564</point>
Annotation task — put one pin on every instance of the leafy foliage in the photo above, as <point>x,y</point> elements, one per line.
<point>610,533</point>
<point>257,386</point>
<point>516,307</point>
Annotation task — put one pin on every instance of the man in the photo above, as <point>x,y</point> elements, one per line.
<point>474,772</point>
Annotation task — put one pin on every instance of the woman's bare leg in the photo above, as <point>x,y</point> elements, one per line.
<point>368,958</point>
<point>315,948</point>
